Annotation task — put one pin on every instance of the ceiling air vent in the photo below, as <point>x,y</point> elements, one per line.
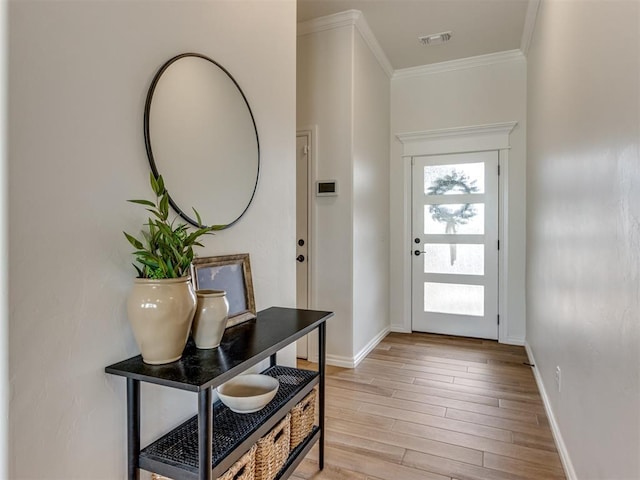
<point>436,38</point>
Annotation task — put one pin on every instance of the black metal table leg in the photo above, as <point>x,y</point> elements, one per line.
<point>272,360</point>
<point>133,428</point>
<point>205,434</point>
<point>322,344</point>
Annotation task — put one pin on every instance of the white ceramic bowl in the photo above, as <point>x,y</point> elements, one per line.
<point>248,393</point>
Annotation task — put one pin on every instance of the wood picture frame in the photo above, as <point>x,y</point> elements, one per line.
<point>231,273</point>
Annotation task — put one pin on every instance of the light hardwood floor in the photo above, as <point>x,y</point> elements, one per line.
<point>424,406</point>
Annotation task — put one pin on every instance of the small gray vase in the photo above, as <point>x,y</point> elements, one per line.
<point>211,318</point>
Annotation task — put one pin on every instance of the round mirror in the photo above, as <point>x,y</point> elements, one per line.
<point>201,137</point>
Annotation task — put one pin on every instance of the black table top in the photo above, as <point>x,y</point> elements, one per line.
<point>242,346</point>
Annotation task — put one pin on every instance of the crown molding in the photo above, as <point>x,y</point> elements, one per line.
<point>529,26</point>
<point>328,22</point>
<point>374,46</point>
<point>491,129</point>
<point>344,19</point>
<point>470,62</point>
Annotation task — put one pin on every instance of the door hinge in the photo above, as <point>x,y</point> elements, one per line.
<point>413,161</point>
<point>498,319</point>
<point>498,170</point>
<point>498,244</point>
<point>305,150</point>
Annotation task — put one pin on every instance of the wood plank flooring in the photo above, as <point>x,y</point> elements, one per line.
<point>424,406</point>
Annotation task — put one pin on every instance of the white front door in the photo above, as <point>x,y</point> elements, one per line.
<point>455,244</point>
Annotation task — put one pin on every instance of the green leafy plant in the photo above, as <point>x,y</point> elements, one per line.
<point>166,250</point>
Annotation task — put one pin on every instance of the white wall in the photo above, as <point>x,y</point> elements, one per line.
<point>371,118</point>
<point>480,95</point>
<point>583,229</point>
<point>324,100</point>
<point>344,92</point>
<point>79,72</point>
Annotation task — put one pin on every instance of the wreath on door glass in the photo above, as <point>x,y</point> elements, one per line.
<point>457,182</point>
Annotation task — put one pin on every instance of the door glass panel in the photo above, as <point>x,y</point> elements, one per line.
<point>454,259</point>
<point>460,218</point>
<point>457,179</point>
<point>454,298</point>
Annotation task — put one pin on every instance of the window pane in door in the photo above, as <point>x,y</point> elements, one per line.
<point>454,179</point>
<point>454,298</point>
<point>460,218</point>
<point>454,259</point>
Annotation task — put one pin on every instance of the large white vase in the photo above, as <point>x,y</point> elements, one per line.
<point>161,313</point>
<point>211,318</point>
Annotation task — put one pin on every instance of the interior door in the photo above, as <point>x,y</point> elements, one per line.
<point>455,249</point>
<point>302,232</point>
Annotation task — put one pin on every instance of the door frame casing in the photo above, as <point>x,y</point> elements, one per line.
<point>311,132</point>
<point>478,138</point>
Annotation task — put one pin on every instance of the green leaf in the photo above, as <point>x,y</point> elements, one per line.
<point>148,262</point>
<point>170,270</point>
<point>197,217</point>
<point>154,184</point>
<point>157,214</point>
<point>174,250</point>
<point>161,187</point>
<point>164,206</point>
<point>164,229</point>
<point>162,265</point>
<point>134,241</point>
<point>190,240</point>
<point>140,272</point>
<point>186,262</point>
<point>143,202</point>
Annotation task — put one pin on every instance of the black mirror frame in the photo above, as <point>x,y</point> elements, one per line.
<point>147,136</point>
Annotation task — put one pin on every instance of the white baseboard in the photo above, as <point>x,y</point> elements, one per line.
<point>347,362</point>
<point>340,361</point>
<point>399,329</point>
<point>514,341</point>
<point>560,445</point>
<point>370,346</point>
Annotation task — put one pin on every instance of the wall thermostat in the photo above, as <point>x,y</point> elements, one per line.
<point>326,188</point>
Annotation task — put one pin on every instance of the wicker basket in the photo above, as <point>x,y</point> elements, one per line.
<point>273,450</point>
<point>302,418</point>
<point>243,469</point>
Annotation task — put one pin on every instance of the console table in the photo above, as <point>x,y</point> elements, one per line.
<point>206,445</point>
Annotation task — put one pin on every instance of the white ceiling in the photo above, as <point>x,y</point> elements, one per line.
<point>479,26</point>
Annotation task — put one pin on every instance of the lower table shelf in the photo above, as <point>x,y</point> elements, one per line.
<point>175,455</point>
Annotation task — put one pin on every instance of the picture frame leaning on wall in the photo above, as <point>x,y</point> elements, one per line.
<point>231,273</point>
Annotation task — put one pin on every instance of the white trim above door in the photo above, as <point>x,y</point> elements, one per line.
<point>447,141</point>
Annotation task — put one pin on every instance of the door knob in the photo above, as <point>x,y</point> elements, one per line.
<point>417,253</point>
<point>300,258</point>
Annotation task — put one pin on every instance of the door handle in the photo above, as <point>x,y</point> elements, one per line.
<point>300,258</point>
<point>417,253</point>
